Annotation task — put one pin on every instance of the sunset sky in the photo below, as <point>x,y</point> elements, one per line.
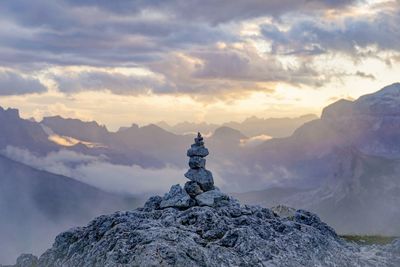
<point>119,62</point>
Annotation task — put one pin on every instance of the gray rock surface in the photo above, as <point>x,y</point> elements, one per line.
<point>228,235</point>
<point>176,197</point>
<point>196,151</point>
<point>284,211</point>
<point>197,162</point>
<point>212,198</point>
<point>202,176</point>
<point>27,260</point>
<point>153,203</point>
<point>193,188</point>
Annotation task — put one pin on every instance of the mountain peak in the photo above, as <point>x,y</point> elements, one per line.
<point>342,107</point>
<point>10,112</point>
<point>383,102</point>
<point>228,132</point>
<point>392,91</point>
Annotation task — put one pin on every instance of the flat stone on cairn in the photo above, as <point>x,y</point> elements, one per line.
<point>197,163</point>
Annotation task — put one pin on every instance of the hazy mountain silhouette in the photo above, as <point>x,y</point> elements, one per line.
<point>274,127</point>
<point>154,141</point>
<point>253,126</point>
<point>85,131</point>
<point>371,130</point>
<point>347,161</point>
<point>360,195</point>
<point>189,127</point>
<point>35,205</point>
<point>23,133</point>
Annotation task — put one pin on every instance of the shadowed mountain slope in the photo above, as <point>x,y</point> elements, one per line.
<point>35,205</point>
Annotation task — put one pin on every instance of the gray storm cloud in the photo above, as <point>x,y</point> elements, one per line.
<point>313,37</point>
<point>96,171</point>
<point>13,83</point>
<point>117,83</point>
<point>150,34</point>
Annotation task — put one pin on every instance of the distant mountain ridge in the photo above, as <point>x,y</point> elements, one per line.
<point>359,196</point>
<point>35,205</point>
<point>345,165</point>
<point>252,126</point>
<point>86,131</point>
<point>23,133</point>
<point>342,124</point>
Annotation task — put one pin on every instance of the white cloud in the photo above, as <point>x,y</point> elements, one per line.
<point>255,140</point>
<point>99,173</point>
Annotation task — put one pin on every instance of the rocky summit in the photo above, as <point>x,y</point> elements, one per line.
<point>198,225</point>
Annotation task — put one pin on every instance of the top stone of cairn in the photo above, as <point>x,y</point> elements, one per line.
<point>198,149</point>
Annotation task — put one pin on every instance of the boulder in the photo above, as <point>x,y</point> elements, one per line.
<point>284,211</point>
<point>193,188</point>
<point>177,198</point>
<point>202,176</point>
<point>212,198</point>
<point>27,260</point>
<point>153,203</point>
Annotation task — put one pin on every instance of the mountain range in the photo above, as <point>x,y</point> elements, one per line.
<point>252,126</point>
<point>344,165</point>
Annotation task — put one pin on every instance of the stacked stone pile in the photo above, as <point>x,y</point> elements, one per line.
<point>200,190</point>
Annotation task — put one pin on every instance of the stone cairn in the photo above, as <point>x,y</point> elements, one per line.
<point>199,191</point>
<point>197,174</point>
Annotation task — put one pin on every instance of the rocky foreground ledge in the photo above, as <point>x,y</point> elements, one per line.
<point>198,225</point>
<point>222,234</point>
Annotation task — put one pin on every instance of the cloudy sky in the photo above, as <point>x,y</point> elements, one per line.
<point>144,61</point>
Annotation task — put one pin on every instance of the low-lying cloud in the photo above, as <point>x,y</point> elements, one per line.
<point>229,175</point>
<point>97,172</point>
<point>255,140</point>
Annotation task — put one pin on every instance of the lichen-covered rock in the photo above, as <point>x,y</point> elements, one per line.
<point>176,198</point>
<point>212,198</point>
<point>228,235</point>
<point>202,176</point>
<point>193,188</point>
